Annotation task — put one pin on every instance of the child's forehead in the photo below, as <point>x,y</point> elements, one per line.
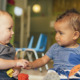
<point>62,22</point>
<point>5,16</point>
<point>6,19</point>
<point>62,25</point>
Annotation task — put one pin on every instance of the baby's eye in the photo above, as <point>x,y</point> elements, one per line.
<point>61,33</point>
<point>10,28</point>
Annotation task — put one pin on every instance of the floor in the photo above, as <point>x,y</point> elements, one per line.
<point>36,74</point>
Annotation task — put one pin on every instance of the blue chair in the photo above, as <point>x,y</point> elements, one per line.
<point>40,48</point>
<point>29,47</point>
<point>30,43</point>
<point>22,49</point>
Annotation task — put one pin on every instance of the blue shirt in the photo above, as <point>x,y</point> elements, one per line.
<point>64,58</point>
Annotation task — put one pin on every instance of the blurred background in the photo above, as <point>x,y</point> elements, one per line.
<point>32,17</point>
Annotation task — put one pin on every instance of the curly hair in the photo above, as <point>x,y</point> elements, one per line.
<point>73,17</point>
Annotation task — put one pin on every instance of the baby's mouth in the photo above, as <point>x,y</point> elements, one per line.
<point>10,37</point>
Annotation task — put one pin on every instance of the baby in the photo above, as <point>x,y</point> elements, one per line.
<point>66,52</point>
<point>7,51</point>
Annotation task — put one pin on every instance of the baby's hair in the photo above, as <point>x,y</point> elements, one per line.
<point>4,13</point>
<point>67,14</point>
<point>73,17</point>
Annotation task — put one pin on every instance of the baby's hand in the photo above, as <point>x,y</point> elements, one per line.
<point>22,63</point>
<point>29,66</point>
<point>16,72</point>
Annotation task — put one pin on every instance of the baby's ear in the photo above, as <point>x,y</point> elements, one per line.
<point>76,35</point>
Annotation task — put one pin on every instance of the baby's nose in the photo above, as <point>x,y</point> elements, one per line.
<point>12,32</point>
<point>57,35</point>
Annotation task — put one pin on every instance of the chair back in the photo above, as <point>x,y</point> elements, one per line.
<point>41,44</point>
<point>31,42</point>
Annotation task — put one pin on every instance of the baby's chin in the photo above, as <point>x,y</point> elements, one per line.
<point>7,42</point>
<point>61,45</point>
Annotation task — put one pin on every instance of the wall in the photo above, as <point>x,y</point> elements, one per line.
<point>40,23</point>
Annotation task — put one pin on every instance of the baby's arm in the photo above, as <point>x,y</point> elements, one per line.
<point>6,64</point>
<point>16,72</point>
<point>38,63</point>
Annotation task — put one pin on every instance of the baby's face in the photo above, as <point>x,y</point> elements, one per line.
<point>6,31</point>
<point>64,33</point>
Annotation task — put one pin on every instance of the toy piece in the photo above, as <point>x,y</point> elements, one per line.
<point>51,75</point>
<point>74,70</point>
<point>23,76</point>
<point>9,72</point>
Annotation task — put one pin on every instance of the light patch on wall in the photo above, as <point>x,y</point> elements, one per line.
<point>52,24</point>
<point>36,8</point>
<point>18,11</point>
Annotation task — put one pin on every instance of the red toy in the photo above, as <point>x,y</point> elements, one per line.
<point>23,76</point>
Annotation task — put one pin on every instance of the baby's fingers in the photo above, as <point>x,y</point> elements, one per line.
<point>25,63</point>
<point>22,63</point>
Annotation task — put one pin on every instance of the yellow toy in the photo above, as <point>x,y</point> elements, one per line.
<point>9,72</point>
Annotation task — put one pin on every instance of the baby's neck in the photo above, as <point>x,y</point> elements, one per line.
<point>73,46</point>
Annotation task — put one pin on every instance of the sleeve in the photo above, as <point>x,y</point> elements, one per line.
<point>51,52</point>
<point>7,52</point>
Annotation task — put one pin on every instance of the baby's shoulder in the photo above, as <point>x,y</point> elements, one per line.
<point>55,46</point>
<point>3,47</point>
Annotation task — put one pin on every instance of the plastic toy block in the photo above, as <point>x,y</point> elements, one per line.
<point>9,72</point>
<point>23,76</point>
